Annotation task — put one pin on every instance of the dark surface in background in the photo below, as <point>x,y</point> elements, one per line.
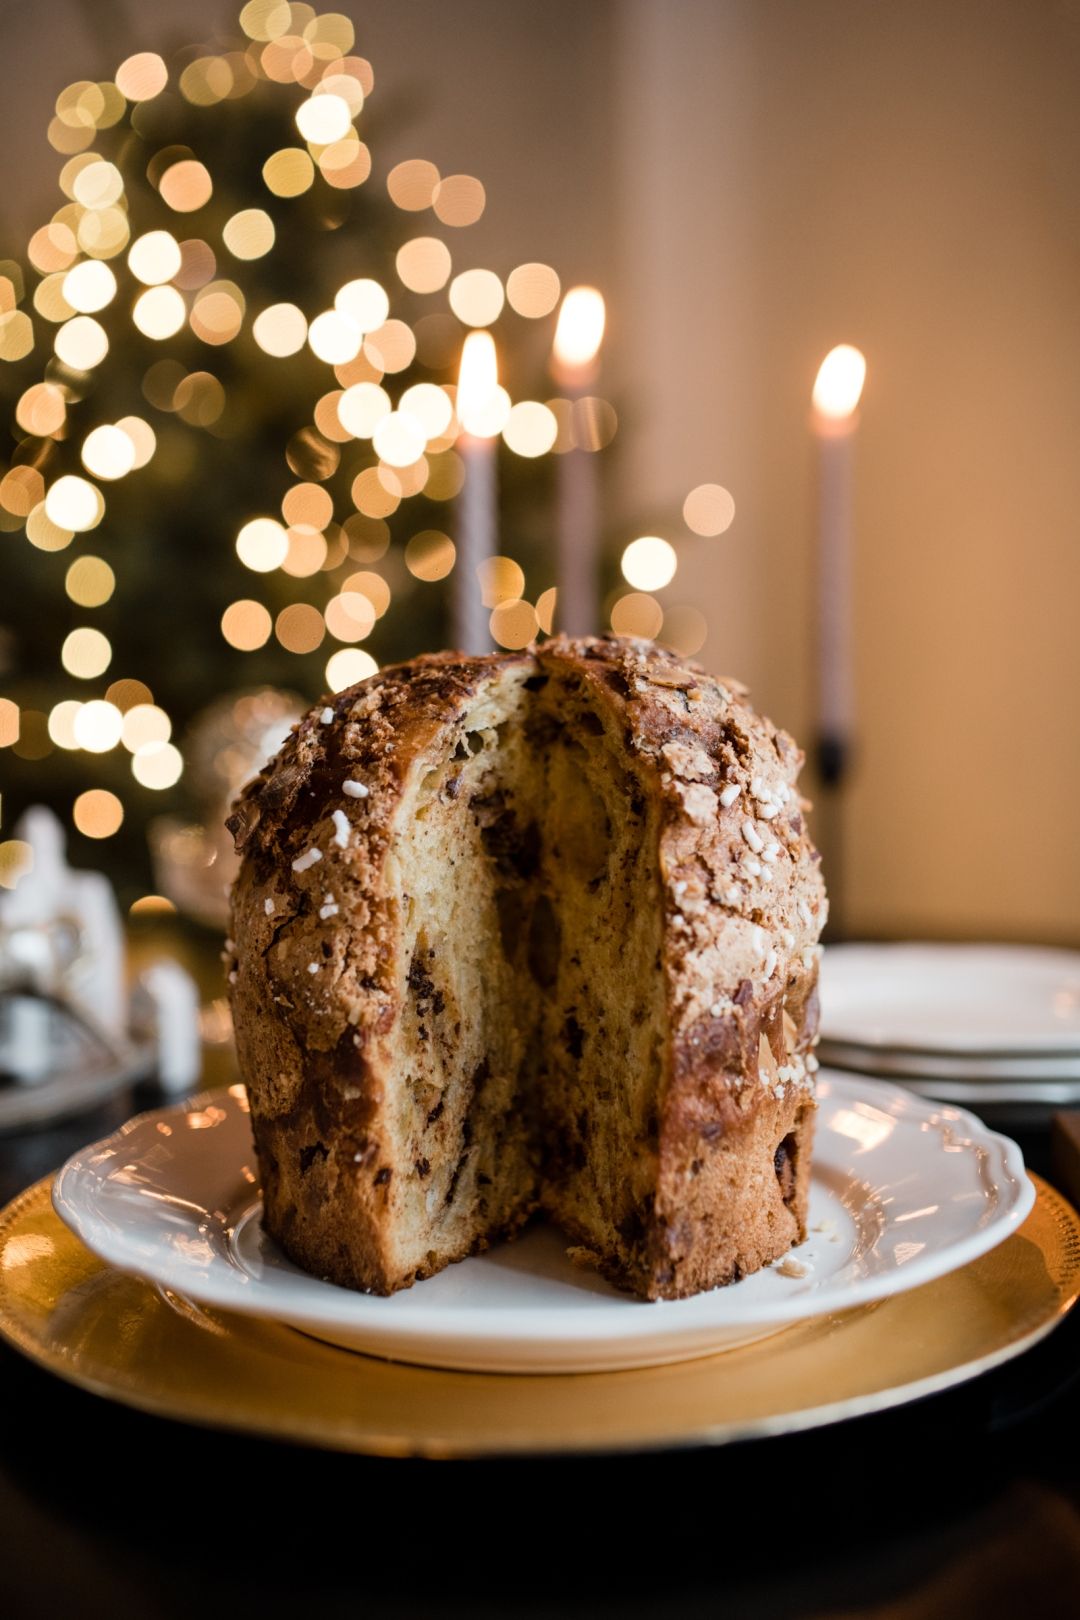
<point>968,1503</point>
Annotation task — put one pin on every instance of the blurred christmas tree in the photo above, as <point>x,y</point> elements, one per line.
<point>229,371</point>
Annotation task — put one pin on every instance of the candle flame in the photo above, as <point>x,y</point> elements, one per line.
<point>580,328</point>
<point>478,384</point>
<point>839,384</point>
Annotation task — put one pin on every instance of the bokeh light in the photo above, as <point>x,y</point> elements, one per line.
<point>412,184</point>
<point>513,624</point>
<point>98,184</point>
<point>685,630</point>
<point>346,667</point>
<point>430,406</point>
<point>86,653</point>
<point>637,615</point>
<point>424,264</point>
<point>97,726</point>
<point>708,509</point>
<point>649,563</point>
<point>334,337</point>
<point>430,555</point>
<point>288,172</point>
<point>262,545</point>
<point>249,234</point>
<point>74,503</point>
<point>89,286</point>
<point>141,77</point>
<point>126,693</point>
<point>280,330</point>
<point>157,765</point>
<point>350,616</point>
<point>89,581</point>
<point>399,439</point>
<point>308,503</point>
<point>154,258</point>
<point>62,718</point>
<point>142,437</point>
<point>501,580</point>
<point>477,297</point>
<point>81,343</point>
<point>371,585</point>
<point>97,813</point>
<point>300,628</point>
<point>391,346</point>
<point>144,723</point>
<point>159,313</point>
<point>108,452</point>
<point>459,200</point>
<point>365,303</point>
<point>246,625</point>
<point>533,290</point>
<point>362,407</point>
<point>187,186</point>
<point>530,429</point>
<point>323,119</point>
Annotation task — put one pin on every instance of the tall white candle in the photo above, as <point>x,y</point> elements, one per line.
<point>575,366</point>
<point>837,391</point>
<point>479,407</point>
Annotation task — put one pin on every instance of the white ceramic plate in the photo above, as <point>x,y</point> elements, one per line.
<point>1061,1074</point>
<point>903,1191</point>
<point>997,1000</point>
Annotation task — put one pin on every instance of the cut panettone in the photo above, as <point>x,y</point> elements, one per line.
<point>534,931</point>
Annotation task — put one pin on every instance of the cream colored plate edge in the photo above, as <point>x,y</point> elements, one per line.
<point>121,1338</point>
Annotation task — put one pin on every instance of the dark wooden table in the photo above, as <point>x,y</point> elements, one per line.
<point>967,1503</point>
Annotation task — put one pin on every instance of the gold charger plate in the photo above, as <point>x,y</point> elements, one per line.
<point>120,1337</point>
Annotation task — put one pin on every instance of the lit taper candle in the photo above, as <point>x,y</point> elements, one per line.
<point>837,391</point>
<point>575,365</point>
<point>478,407</point>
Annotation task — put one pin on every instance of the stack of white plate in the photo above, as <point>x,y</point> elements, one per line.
<point>995,1028</point>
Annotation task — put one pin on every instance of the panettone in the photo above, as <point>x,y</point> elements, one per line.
<point>530,932</point>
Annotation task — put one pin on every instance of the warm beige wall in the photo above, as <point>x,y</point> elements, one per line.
<point>905,177</point>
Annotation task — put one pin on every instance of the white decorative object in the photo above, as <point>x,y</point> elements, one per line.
<point>61,936</point>
<point>165,1013</point>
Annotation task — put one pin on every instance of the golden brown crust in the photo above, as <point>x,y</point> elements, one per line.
<point>743,905</point>
<point>740,963</point>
